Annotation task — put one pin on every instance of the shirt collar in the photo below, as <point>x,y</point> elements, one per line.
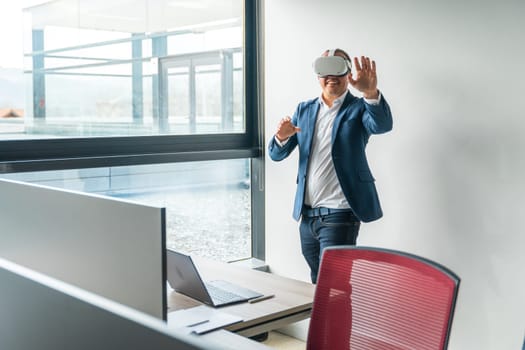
<point>337,101</point>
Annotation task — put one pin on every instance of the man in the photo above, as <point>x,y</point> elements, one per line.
<point>335,188</point>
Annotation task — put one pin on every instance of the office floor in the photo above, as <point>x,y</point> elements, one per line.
<point>281,341</point>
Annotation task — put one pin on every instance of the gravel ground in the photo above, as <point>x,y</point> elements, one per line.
<point>213,223</point>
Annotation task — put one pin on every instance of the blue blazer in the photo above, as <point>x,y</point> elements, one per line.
<point>353,125</point>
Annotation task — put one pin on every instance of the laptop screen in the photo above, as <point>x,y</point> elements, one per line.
<point>184,278</point>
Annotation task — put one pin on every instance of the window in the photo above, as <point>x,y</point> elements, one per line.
<point>205,215</point>
<point>139,84</point>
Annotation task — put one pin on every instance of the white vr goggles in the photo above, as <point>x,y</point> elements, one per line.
<point>331,65</point>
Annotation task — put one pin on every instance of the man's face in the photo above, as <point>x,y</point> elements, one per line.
<point>334,86</point>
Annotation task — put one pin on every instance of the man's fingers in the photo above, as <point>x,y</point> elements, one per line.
<point>286,126</point>
<point>364,62</point>
<point>284,120</point>
<point>357,64</point>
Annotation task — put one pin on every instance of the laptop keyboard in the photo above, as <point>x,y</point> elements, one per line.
<point>220,295</point>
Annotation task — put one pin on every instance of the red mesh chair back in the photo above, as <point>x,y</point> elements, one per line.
<point>379,299</point>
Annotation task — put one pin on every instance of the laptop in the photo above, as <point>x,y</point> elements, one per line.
<point>184,278</point>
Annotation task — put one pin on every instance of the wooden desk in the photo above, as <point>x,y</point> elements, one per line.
<point>292,302</point>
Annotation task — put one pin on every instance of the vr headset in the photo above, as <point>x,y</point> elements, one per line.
<point>331,65</point>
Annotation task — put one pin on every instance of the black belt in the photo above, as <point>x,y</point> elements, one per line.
<point>313,212</point>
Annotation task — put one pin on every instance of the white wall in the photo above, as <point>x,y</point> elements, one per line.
<point>451,173</point>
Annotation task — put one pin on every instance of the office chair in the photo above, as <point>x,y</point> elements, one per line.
<point>379,299</point>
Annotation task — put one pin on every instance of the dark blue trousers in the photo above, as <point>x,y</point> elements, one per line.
<point>321,231</point>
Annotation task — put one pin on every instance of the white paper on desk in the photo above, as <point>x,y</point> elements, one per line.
<point>201,319</point>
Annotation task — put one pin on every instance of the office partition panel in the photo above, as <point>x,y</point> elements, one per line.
<point>109,246</point>
<point>39,312</point>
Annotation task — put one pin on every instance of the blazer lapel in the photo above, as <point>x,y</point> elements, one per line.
<point>348,100</point>
<point>313,110</point>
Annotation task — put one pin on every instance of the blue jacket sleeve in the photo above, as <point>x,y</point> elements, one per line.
<point>378,118</point>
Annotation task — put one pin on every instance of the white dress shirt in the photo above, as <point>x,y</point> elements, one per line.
<point>322,185</point>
